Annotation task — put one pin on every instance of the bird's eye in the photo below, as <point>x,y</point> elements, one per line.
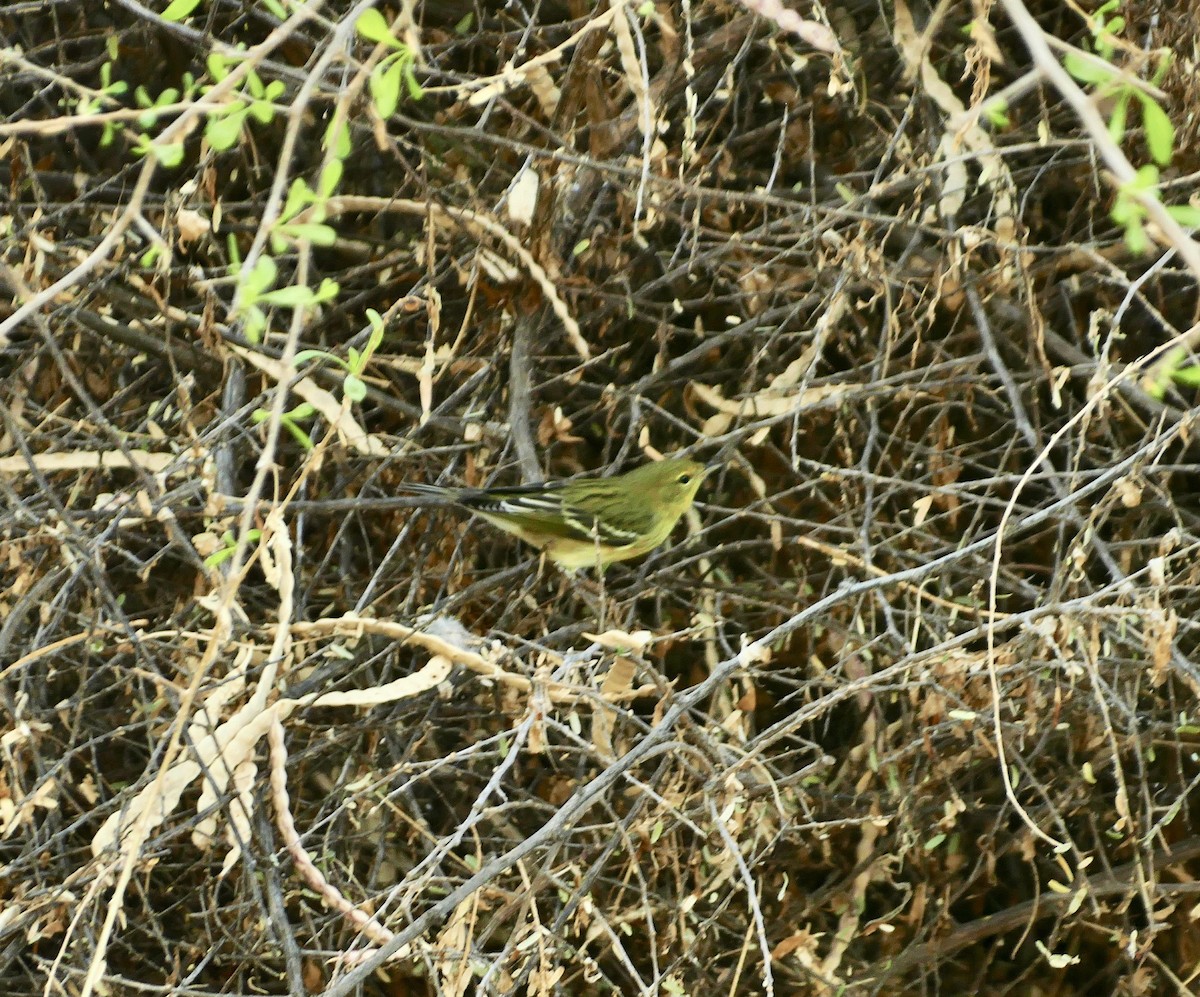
<point>684,478</point>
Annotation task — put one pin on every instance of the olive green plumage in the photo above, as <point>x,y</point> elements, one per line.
<point>589,521</point>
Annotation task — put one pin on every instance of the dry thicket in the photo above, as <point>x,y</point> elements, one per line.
<point>908,707</point>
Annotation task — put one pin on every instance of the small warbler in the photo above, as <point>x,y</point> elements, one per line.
<point>585,522</point>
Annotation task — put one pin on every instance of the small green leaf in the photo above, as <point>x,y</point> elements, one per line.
<point>1146,178</point>
<point>299,196</point>
<point>292,296</point>
<point>1165,58</point>
<point>218,66</point>
<point>354,388</point>
<point>177,10</point>
<point>376,337</point>
<point>997,113</point>
<point>218,557</point>
<point>276,8</point>
<point>317,234</point>
<point>1188,376</point>
<point>1136,240</point>
<point>298,434</point>
<point>259,278</point>
<point>304,356</point>
<point>385,88</point>
<point>263,111</point>
<point>222,131</point>
<point>338,138</point>
<point>170,155</point>
<point>1116,124</point>
<point>254,324</point>
<point>372,26</point>
<point>1160,133</point>
<point>1086,70</point>
<point>305,410</point>
<point>330,177</point>
<point>415,90</point>
<point>1185,214</point>
<point>328,291</point>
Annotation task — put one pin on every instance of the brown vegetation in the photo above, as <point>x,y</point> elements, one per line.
<point>908,707</point>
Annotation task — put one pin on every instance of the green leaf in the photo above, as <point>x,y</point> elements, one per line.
<point>1146,178</point>
<point>276,8</point>
<point>259,278</point>
<point>376,337</point>
<point>1136,240</point>
<point>177,10</point>
<point>306,355</point>
<point>298,434</point>
<point>299,196</point>
<point>338,139</point>
<point>1165,58</point>
<point>997,113</point>
<point>1160,133</point>
<point>330,177</point>
<point>328,291</point>
<point>254,323</point>
<point>292,296</point>
<point>222,131</point>
<point>317,234</point>
<point>218,557</point>
<point>354,388</point>
<point>263,111</point>
<point>1116,124</point>
<point>218,66</point>
<point>372,26</point>
<point>170,155</point>
<point>305,410</point>
<point>1188,376</point>
<point>1185,214</point>
<point>1086,70</point>
<point>385,88</point>
<point>415,90</point>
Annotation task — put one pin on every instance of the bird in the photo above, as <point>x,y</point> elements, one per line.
<point>589,521</point>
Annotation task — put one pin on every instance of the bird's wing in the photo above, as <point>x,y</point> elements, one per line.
<point>547,507</point>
